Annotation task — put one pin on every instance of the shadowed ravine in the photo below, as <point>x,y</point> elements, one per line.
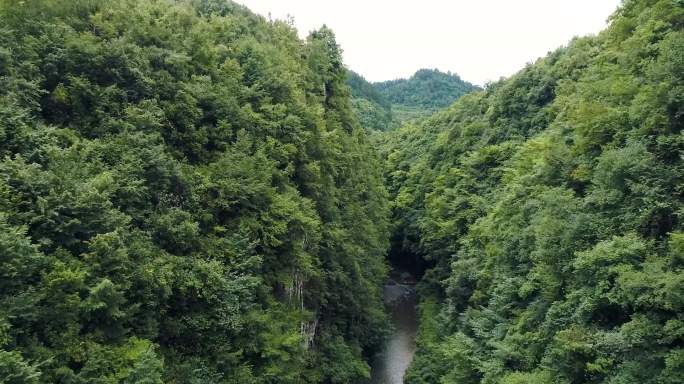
<point>389,365</point>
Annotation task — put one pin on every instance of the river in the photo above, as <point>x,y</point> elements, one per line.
<point>389,365</point>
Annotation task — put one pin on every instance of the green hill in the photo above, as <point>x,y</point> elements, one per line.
<point>373,110</point>
<point>427,88</point>
<point>386,105</point>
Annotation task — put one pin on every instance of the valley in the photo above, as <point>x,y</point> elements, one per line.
<point>191,193</point>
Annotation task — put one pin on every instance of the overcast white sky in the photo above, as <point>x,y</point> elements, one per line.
<point>480,40</point>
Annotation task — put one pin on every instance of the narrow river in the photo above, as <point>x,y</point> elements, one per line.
<point>390,364</point>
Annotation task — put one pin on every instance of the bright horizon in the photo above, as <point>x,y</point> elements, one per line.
<point>480,41</point>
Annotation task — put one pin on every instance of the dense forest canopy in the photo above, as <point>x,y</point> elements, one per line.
<point>427,88</point>
<point>549,209</point>
<point>188,195</point>
<point>373,110</point>
<point>185,197</point>
<point>387,105</point>
<point>363,89</point>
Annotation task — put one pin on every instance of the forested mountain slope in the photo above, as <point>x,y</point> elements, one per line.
<point>550,209</point>
<point>185,197</point>
<point>427,88</point>
<point>374,111</point>
<point>387,105</point>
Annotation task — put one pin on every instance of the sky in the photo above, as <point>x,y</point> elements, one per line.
<point>481,40</point>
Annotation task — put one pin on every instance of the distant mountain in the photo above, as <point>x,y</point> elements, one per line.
<point>362,88</point>
<point>373,109</point>
<point>386,105</point>
<point>427,88</point>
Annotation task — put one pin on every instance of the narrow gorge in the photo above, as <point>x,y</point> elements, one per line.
<point>191,193</point>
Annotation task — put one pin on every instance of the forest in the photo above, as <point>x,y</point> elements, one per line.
<point>191,193</point>
<point>387,105</point>
<point>185,197</point>
<point>547,213</point>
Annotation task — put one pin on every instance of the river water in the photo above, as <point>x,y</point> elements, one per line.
<point>389,365</point>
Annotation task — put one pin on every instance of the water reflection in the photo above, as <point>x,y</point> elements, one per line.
<point>389,365</point>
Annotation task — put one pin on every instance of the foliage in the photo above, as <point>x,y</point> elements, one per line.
<point>386,105</point>
<point>362,89</point>
<point>185,196</point>
<point>427,88</point>
<point>372,109</point>
<point>548,209</point>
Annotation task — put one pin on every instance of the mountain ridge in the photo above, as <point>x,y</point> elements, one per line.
<point>388,104</point>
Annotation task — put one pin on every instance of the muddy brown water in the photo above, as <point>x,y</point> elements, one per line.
<point>390,365</point>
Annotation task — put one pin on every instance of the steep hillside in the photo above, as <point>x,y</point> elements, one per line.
<point>373,110</point>
<point>185,197</point>
<point>549,210</point>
